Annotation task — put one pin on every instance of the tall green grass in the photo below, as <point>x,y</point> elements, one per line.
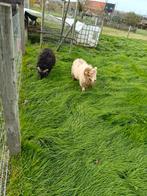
<point>140,34</point>
<point>142,31</point>
<point>84,143</point>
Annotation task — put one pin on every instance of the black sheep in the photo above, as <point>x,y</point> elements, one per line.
<point>31,17</point>
<point>45,63</point>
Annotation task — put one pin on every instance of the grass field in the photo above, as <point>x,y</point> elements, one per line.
<point>140,34</point>
<point>84,143</point>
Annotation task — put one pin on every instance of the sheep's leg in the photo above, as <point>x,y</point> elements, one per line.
<point>72,75</point>
<point>83,88</point>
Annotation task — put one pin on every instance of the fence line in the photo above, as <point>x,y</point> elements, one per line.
<point>11,47</point>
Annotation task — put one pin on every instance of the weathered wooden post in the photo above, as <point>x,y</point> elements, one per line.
<point>128,31</point>
<point>42,22</point>
<point>8,80</point>
<point>27,4</point>
<point>64,15</point>
<point>74,24</point>
<point>22,27</point>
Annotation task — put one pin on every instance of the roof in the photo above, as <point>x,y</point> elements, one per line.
<point>12,1</point>
<point>95,6</point>
<point>99,7</point>
<point>143,22</point>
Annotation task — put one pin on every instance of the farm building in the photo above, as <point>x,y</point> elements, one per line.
<point>98,7</point>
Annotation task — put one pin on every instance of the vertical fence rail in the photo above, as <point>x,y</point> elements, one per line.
<point>8,79</point>
<point>42,22</point>
<point>10,63</point>
<point>21,18</point>
<point>11,49</point>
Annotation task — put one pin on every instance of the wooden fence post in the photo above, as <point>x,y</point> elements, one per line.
<point>42,22</point>
<point>74,25</point>
<point>128,31</point>
<point>8,80</point>
<point>27,4</point>
<point>22,29</point>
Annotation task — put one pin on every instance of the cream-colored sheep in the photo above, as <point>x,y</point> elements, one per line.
<point>83,72</point>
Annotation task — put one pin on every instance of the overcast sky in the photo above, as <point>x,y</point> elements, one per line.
<point>138,6</point>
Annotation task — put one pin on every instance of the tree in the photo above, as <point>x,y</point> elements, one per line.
<point>132,19</point>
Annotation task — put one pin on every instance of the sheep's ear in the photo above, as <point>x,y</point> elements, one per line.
<point>94,69</point>
<point>38,68</point>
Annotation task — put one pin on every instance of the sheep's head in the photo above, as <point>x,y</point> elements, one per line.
<point>90,75</point>
<point>42,73</point>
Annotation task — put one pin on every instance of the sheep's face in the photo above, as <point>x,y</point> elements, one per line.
<point>42,73</point>
<point>90,74</point>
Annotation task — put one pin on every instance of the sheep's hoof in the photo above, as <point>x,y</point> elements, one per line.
<point>83,89</point>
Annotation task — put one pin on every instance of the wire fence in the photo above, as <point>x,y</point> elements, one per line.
<point>87,27</point>
<point>88,36</point>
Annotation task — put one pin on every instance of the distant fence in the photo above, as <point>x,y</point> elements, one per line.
<point>120,26</point>
<point>10,67</point>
